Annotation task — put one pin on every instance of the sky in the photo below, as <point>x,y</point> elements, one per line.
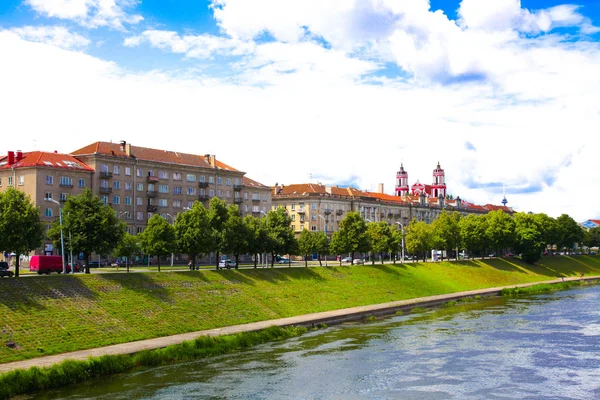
<point>504,94</point>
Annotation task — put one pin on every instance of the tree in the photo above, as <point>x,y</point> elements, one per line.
<point>281,236</point>
<point>380,235</point>
<point>591,238</point>
<point>217,215</point>
<point>529,240</point>
<point>445,232</point>
<point>158,238</point>
<point>20,228</point>
<point>193,233</point>
<point>351,235</point>
<point>256,230</point>
<point>569,232</point>
<point>93,226</point>
<point>235,234</point>
<point>500,230</point>
<point>548,229</point>
<point>473,234</point>
<point>127,247</point>
<point>395,243</point>
<point>418,238</point>
<point>310,242</point>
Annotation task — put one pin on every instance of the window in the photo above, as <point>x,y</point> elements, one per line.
<point>103,184</point>
<point>313,206</point>
<point>191,191</point>
<point>104,200</point>
<point>177,190</point>
<point>163,174</point>
<point>255,209</point>
<point>163,188</point>
<point>163,203</point>
<point>190,178</point>
<point>81,183</point>
<point>236,181</point>
<point>202,192</point>
<point>150,215</point>
<point>63,197</point>
<point>313,228</point>
<point>177,203</point>
<point>0,181</point>
<point>48,212</point>
<point>139,216</point>
<point>219,193</point>
<point>228,194</point>
<point>151,187</point>
<point>128,200</point>
<point>128,185</point>
<point>293,206</point>
<point>219,181</point>
<point>66,181</point>
<point>116,185</point>
<point>255,196</point>
<point>264,197</point>
<point>140,187</point>
<point>127,171</point>
<point>10,183</point>
<point>21,180</point>
<point>190,203</point>
<point>116,170</point>
<point>150,172</point>
<point>48,196</point>
<point>293,217</point>
<point>103,168</point>
<point>293,227</point>
<point>49,180</point>
<point>246,196</point>
<point>313,217</point>
<point>228,182</point>
<point>139,201</point>
<point>129,228</point>
<point>139,172</point>
<point>211,179</point>
<point>246,207</point>
<point>176,176</point>
<point>116,200</point>
<point>211,193</point>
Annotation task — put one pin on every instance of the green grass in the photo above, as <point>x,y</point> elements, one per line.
<point>55,314</point>
<point>69,372</point>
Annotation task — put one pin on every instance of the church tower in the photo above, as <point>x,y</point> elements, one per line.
<point>438,188</point>
<point>401,182</point>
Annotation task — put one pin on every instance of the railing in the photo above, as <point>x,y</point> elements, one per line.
<point>300,211</point>
<point>238,187</point>
<point>105,190</point>
<point>202,184</point>
<point>256,199</point>
<point>67,185</point>
<point>106,174</point>
<point>151,178</point>
<point>152,194</point>
<point>238,200</point>
<point>339,212</point>
<point>151,208</point>
<point>327,211</point>
<point>203,197</point>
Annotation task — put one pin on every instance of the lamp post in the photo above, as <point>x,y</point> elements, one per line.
<point>172,219</point>
<point>324,230</point>
<point>62,238</point>
<point>267,217</point>
<point>402,227</point>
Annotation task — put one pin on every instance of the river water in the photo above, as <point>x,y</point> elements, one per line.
<point>536,347</point>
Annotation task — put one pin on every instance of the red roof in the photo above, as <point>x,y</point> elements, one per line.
<point>48,160</point>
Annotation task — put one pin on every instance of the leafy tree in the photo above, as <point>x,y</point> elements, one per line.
<point>127,247</point>
<point>93,226</point>
<point>257,238</point>
<point>351,235</point>
<point>235,234</point>
<point>281,236</point>
<point>445,232</point>
<point>158,238</point>
<point>569,232</point>
<point>321,245</point>
<point>529,240</point>
<point>548,228</point>
<point>418,238</point>
<point>473,234</point>
<point>310,242</point>
<point>20,228</point>
<point>500,230</point>
<point>217,215</point>
<point>591,238</point>
<point>380,235</point>
<point>193,233</point>
<point>395,243</point>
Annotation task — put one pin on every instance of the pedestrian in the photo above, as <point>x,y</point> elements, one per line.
<point>191,265</point>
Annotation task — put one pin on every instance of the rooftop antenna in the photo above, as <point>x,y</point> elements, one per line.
<point>504,201</point>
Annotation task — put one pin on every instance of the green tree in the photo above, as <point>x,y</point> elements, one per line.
<point>93,226</point>
<point>548,229</point>
<point>20,228</point>
<point>418,238</point>
<point>257,236</point>
<point>529,240</point>
<point>351,235</point>
<point>445,232</point>
<point>569,232</point>
<point>193,233</point>
<point>473,234</point>
<point>310,242</point>
<point>281,238</point>
<point>217,215</point>
<point>500,230</point>
<point>127,247</point>
<point>321,245</point>
<point>395,243</point>
<point>591,237</point>
<point>158,238</point>
<point>235,234</point>
<point>380,235</point>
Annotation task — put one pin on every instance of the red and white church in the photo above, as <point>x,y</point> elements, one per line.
<point>436,189</point>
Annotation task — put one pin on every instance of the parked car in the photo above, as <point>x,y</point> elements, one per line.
<point>358,261</point>
<point>95,264</point>
<point>4,270</point>
<point>122,263</point>
<point>347,259</point>
<point>226,264</point>
<point>283,260</point>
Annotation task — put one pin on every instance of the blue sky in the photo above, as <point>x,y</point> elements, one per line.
<point>500,92</point>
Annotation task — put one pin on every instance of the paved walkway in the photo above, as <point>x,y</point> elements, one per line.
<point>328,317</point>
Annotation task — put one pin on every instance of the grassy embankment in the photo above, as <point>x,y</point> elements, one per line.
<point>54,314</point>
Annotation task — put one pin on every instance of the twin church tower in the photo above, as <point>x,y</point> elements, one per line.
<point>436,189</point>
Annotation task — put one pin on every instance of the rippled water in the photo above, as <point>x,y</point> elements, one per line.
<point>540,347</point>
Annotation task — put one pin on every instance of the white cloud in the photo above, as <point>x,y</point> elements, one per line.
<point>54,35</point>
<point>89,13</point>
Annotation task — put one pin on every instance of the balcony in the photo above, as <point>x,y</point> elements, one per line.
<point>255,211</point>
<point>238,187</point>
<point>203,197</point>
<point>202,184</point>
<point>66,185</point>
<point>327,211</point>
<point>152,194</point>
<point>151,208</point>
<point>238,200</point>
<point>106,174</point>
<point>255,198</point>
<point>300,211</point>
<point>105,190</point>
<point>339,212</point>
<point>151,179</point>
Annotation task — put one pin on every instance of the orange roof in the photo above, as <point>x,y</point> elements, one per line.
<point>46,159</point>
<point>156,155</point>
<point>252,183</point>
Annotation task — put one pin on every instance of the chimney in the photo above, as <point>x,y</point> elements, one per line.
<point>128,149</point>
<point>123,143</point>
<point>380,188</point>
<point>11,158</point>
<point>212,160</point>
<point>19,156</point>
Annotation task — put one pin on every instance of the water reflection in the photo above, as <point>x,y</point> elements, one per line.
<point>541,347</point>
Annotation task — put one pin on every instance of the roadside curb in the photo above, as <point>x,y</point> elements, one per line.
<point>307,320</point>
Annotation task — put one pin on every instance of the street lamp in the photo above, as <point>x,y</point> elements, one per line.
<point>267,217</point>
<point>325,230</point>
<point>173,219</point>
<point>62,238</point>
<point>402,227</point>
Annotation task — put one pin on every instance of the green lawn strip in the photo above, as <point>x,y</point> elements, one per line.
<point>53,314</point>
<point>69,372</point>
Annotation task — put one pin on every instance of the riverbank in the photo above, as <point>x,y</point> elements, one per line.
<point>58,314</point>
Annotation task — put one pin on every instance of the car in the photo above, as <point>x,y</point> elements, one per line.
<point>4,270</point>
<point>121,263</point>
<point>592,253</point>
<point>95,264</point>
<point>347,259</point>
<point>283,260</point>
<point>226,264</point>
<point>358,261</point>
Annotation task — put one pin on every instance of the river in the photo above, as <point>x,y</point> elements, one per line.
<point>536,347</point>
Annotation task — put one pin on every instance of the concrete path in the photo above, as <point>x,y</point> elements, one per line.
<point>327,317</point>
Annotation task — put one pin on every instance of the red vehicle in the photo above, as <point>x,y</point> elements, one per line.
<point>46,264</point>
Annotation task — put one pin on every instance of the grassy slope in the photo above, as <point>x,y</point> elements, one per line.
<point>54,314</point>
